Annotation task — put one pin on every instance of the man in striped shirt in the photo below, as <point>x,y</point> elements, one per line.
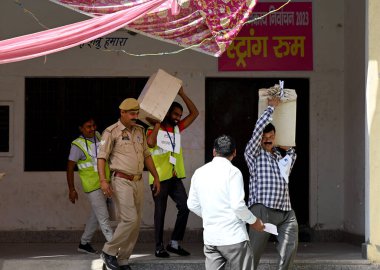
<point>268,189</point>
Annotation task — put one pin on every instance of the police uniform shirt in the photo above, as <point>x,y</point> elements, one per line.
<point>125,150</point>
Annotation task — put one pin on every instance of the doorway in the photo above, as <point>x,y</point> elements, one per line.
<point>232,107</point>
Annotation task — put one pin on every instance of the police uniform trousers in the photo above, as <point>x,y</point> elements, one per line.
<point>287,237</point>
<point>174,188</point>
<point>129,199</point>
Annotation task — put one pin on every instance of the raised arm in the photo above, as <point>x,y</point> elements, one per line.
<point>193,111</point>
<point>253,146</point>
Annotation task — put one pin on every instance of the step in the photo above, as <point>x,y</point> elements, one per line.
<point>63,256</point>
<point>191,264</point>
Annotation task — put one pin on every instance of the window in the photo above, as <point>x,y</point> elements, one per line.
<point>6,129</point>
<point>52,107</point>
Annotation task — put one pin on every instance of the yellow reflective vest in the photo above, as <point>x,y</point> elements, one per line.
<point>161,160</point>
<point>88,169</point>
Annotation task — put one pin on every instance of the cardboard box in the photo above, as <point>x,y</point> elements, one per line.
<point>284,116</point>
<point>157,96</point>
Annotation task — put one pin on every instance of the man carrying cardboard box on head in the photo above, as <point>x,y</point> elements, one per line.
<point>165,143</point>
<point>268,189</point>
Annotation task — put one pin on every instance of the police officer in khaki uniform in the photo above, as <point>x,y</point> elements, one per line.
<point>124,146</point>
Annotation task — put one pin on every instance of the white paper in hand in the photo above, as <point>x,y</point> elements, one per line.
<point>270,228</point>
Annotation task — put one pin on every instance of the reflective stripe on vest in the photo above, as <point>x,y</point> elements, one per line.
<point>84,165</point>
<point>163,166</point>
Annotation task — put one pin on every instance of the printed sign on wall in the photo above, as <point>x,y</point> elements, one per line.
<point>281,41</point>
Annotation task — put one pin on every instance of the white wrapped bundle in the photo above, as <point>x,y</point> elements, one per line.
<point>284,116</point>
<point>157,96</point>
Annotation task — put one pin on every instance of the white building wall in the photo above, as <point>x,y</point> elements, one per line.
<point>354,100</point>
<point>38,200</point>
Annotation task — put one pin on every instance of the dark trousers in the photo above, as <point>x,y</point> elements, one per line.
<point>237,256</point>
<point>287,237</point>
<point>176,190</point>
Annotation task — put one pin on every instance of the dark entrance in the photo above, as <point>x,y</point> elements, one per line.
<point>231,108</point>
<point>52,107</point>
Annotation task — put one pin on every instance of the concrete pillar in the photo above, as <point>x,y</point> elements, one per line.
<point>373,133</point>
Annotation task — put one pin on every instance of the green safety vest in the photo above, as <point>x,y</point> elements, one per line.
<point>163,166</point>
<point>88,169</point>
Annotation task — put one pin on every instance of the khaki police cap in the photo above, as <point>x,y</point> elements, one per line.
<point>129,104</point>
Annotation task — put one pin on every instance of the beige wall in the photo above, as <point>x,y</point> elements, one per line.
<point>38,201</point>
<point>373,133</point>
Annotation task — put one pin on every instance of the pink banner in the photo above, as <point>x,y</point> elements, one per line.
<point>281,41</point>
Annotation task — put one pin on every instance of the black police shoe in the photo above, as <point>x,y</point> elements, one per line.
<point>125,267</point>
<point>110,262</point>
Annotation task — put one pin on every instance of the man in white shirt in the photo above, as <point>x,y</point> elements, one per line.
<point>217,196</point>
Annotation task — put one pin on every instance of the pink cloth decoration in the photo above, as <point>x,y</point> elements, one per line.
<point>207,26</point>
<point>65,37</point>
<point>175,8</point>
<point>210,24</point>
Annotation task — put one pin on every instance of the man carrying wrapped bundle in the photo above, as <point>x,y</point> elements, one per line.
<point>268,188</point>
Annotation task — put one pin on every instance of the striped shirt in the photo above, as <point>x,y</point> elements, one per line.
<point>266,185</point>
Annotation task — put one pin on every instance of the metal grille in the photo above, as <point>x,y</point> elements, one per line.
<point>4,128</point>
<point>53,107</point>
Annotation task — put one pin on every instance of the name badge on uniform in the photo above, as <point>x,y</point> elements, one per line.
<point>172,160</point>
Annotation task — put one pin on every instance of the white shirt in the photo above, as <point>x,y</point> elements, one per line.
<point>217,196</point>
